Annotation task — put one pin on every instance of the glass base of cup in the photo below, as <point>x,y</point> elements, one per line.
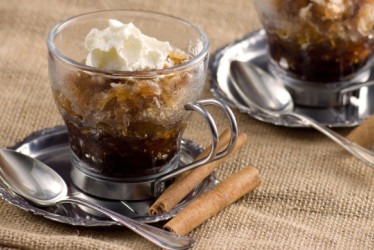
<point>320,94</point>
<point>140,188</point>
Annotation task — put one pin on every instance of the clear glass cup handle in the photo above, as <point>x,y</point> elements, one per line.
<point>198,106</point>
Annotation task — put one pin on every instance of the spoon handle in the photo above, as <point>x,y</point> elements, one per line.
<point>361,153</point>
<point>162,238</point>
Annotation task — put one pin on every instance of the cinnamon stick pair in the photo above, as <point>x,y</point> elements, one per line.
<point>187,181</point>
<point>213,201</point>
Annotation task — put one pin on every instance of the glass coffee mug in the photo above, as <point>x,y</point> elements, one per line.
<point>125,127</point>
<point>314,43</point>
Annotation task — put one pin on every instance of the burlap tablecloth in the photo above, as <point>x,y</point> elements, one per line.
<point>314,195</point>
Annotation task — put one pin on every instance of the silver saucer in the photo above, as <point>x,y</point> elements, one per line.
<point>253,48</point>
<point>51,146</point>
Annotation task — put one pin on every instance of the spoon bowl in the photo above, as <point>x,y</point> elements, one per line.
<point>252,85</point>
<point>41,185</point>
<point>263,92</point>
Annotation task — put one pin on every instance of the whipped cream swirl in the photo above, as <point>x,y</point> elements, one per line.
<point>123,47</point>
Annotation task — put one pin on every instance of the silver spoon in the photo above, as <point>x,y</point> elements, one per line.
<point>41,185</point>
<point>261,91</point>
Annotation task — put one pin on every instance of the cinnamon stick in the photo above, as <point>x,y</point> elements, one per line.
<point>223,141</point>
<point>363,135</point>
<point>213,201</point>
<point>185,183</point>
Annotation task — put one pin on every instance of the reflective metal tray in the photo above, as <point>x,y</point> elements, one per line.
<point>253,48</point>
<point>51,146</point>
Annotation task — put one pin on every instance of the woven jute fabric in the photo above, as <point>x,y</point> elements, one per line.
<point>314,195</point>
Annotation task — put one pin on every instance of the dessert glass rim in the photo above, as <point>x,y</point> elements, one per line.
<point>196,58</point>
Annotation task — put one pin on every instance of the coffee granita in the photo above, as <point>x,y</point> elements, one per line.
<point>321,41</point>
<point>127,125</point>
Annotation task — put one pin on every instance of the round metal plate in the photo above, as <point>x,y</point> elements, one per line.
<point>253,49</point>
<point>51,146</point>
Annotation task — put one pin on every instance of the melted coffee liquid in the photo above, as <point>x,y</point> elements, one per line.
<point>321,62</point>
<point>123,157</point>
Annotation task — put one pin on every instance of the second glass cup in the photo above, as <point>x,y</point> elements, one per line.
<point>320,50</point>
<point>318,41</point>
<point>126,126</point>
